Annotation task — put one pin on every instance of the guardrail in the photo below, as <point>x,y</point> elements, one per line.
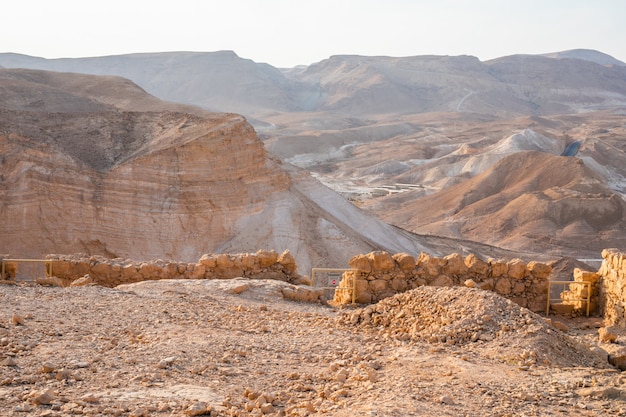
<point>47,262</point>
<point>585,283</point>
<point>335,280</point>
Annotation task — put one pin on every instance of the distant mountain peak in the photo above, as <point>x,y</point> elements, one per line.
<point>586,55</point>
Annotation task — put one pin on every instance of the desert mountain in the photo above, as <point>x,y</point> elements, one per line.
<point>362,86</point>
<point>94,164</point>
<point>386,132</point>
<point>528,198</point>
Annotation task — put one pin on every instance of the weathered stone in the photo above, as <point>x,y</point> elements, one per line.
<point>378,285</point>
<point>607,334</point>
<point>303,294</point>
<point>288,262</point>
<point>503,286</point>
<point>267,258</point>
<point>476,265</point>
<point>585,276</point>
<point>199,408</point>
<point>517,269</point>
<point>498,269</point>
<point>470,283</point>
<point>208,260</point>
<point>405,261</point>
<point>381,261</point>
<point>82,281</point>
<point>43,398</point>
<point>361,263</point>
<point>455,265</point>
<point>442,281</point>
<point>539,269</point>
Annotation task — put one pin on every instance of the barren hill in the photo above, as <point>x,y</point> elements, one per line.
<point>386,132</point>
<point>527,200</point>
<point>94,164</point>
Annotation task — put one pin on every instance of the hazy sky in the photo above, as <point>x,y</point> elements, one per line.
<point>287,33</point>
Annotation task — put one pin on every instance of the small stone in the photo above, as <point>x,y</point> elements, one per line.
<point>24,408</point>
<point>470,283</point>
<point>139,412</point>
<point>18,320</point>
<point>44,398</point>
<point>267,408</point>
<point>81,364</point>
<point>607,334</point>
<point>446,399</point>
<point>8,362</point>
<point>90,398</point>
<point>560,325</point>
<point>63,375</point>
<point>164,363</point>
<point>199,408</point>
<point>47,368</point>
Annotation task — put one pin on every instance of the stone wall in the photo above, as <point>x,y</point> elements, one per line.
<point>612,287</point>
<point>80,269</point>
<point>379,275</point>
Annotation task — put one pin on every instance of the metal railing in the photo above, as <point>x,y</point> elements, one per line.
<point>335,281</point>
<point>47,262</point>
<point>585,283</point>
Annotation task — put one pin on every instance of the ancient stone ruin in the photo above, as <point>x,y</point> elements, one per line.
<point>379,275</point>
<point>81,269</point>
<point>371,277</point>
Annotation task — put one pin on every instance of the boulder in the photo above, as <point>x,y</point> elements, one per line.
<point>405,261</point>
<point>539,269</point>
<point>476,265</point>
<point>382,261</point>
<point>517,269</point>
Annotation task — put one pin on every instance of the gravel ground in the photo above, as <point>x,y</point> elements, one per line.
<point>237,348</point>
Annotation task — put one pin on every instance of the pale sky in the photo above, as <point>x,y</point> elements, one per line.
<point>288,33</point>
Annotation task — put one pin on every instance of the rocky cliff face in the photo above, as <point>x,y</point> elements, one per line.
<point>80,172</point>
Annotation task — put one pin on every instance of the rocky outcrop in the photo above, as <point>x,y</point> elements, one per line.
<point>378,275</point>
<point>82,172</point>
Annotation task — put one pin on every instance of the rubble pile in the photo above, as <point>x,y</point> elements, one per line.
<point>473,319</point>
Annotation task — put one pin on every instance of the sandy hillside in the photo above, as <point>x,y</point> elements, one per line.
<point>236,347</point>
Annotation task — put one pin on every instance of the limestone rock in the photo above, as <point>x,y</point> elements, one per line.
<point>607,334</point>
<point>381,261</point>
<point>82,281</point>
<point>199,408</point>
<point>617,355</point>
<point>517,269</point>
<point>361,263</point>
<point>455,265</point>
<point>476,265</point>
<point>539,269</point>
<point>405,261</point>
<point>43,398</point>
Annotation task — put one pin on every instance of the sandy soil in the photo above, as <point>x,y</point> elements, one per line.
<point>236,347</point>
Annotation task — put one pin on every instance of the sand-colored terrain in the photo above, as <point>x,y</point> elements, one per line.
<point>236,347</point>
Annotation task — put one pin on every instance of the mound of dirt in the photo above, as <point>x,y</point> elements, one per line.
<point>474,319</point>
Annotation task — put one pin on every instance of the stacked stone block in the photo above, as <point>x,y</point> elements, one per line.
<point>612,287</point>
<point>378,275</point>
<point>82,269</point>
